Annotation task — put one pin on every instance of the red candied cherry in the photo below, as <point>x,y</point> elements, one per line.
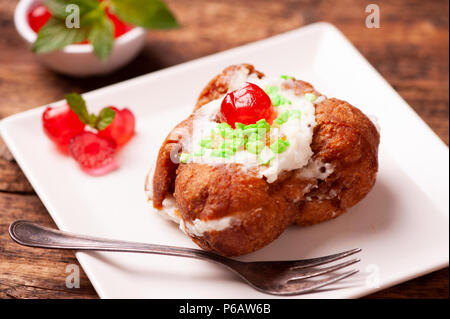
<point>247,105</point>
<point>94,153</point>
<point>120,27</point>
<point>121,130</point>
<point>38,17</point>
<point>61,124</point>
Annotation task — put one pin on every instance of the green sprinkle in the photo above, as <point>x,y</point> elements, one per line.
<point>238,133</point>
<point>223,125</point>
<point>277,99</point>
<point>282,118</point>
<point>263,124</point>
<point>238,144</point>
<point>228,133</point>
<point>225,129</point>
<point>184,157</point>
<point>289,102</point>
<point>225,153</point>
<point>296,114</point>
<point>266,156</point>
<point>286,77</point>
<point>249,131</point>
<point>255,137</point>
<point>228,145</point>
<point>207,143</point>
<point>271,89</point>
<point>255,147</point>
<point>262,132</point>
<point>279,146</point>
<point>199,152</point>
<point>310,97</point>
<point>240,125</point>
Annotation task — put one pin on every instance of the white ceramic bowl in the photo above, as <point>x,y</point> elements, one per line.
<point>79,59</point>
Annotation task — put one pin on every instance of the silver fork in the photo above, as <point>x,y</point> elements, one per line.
<point>273,277</point>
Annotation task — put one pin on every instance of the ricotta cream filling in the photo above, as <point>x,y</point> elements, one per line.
<point>198,227</point>
<point>298,130</point>
<point>170,212</point>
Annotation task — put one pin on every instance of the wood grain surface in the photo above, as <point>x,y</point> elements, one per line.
<point>411,50</point>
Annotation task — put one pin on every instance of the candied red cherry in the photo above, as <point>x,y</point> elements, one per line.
<point>61,124</point>
<point>38,17</point>
<point>94,153</point>
<point>121,130</point>
<point>120,27</point>
<point>247,105</point>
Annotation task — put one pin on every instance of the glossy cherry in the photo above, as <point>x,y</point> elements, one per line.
<point>94,153</point>
<point>38,16</point>
<point>247,105</point>
<point>121,130</point>
<point>61,124</point>
<point>120,27</point>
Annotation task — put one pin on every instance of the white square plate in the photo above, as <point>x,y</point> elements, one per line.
<point>402,225</point>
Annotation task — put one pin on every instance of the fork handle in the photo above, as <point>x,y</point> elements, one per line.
<point>34,235</point>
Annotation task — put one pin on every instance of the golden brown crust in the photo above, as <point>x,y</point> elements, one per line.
<point>300,87</point>
<point>167,163</point>
<point>344,137</point>
<point>218,86</point>
<point>208,192</point>
<point>165,169</point>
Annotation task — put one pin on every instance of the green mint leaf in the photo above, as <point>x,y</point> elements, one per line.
<point>78,106</point>
<point>151,14</point>
<point>54,36</point>
<point>58,7</point>
<point>92,17</point>
<point>101,35</point>
<point>105,118</point>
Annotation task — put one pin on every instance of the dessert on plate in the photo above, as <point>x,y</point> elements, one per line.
<point>258,154</point>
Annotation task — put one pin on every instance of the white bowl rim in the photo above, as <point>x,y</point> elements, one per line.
<point>24,29</point>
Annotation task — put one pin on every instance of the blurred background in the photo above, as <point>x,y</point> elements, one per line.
<point>410,49</point>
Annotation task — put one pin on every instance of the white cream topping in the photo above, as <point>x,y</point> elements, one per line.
<point>170,212</point>
<point>374,120</point>
<point>198,227</point>
<point>316,169</point>
<point>169,208</point>
<point>297,130</point>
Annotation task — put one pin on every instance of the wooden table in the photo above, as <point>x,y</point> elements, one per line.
<point>410,50</point>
